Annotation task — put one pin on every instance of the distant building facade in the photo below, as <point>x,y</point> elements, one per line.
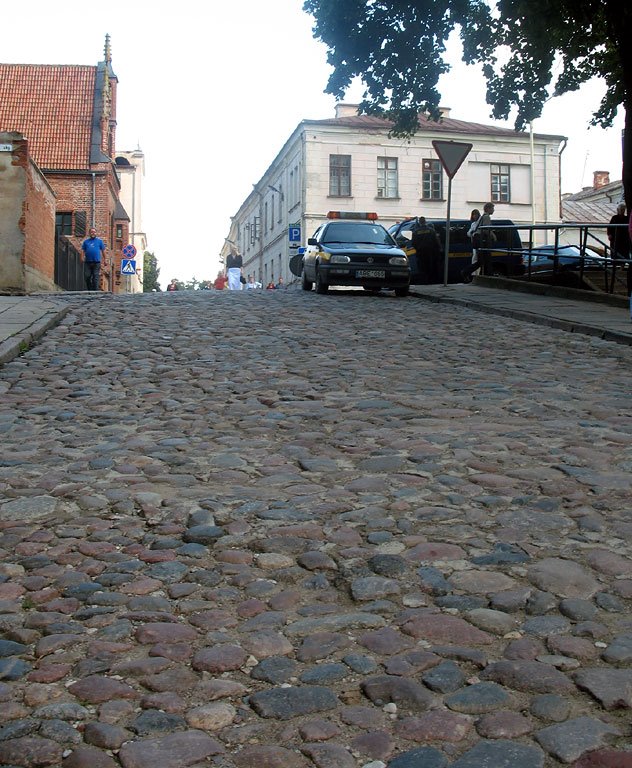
<point>351,163</point>
<point>130,167</point>
<point>68,116</point>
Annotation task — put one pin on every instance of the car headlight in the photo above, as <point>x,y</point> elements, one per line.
<point>339,258</point>
<point>398,261</point>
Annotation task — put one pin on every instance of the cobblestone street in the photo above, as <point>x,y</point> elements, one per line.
<point>283,530</point>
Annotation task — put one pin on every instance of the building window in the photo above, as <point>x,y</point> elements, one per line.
<point>501,190</point>
<point>387,177</point>
<point>340,175</point>
<point>432,180</point>
<point>63,223</point>
<point>119,231</point>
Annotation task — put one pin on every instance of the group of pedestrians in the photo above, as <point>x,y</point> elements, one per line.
<point>482,239</point>
<point>235,280</point>
<point>426,261</point>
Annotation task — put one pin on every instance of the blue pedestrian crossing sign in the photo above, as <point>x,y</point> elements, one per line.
<point>128,267</point>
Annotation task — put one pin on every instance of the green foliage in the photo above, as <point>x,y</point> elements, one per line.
<point>151,273</point>
<point>529,49</point>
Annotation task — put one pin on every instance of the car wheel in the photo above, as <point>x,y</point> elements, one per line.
<point>306,284</point>
<point>401,292</point>
<point>321,287</point>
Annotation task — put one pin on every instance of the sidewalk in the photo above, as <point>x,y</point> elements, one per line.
<point>569,310</point>
<point>24,319</point>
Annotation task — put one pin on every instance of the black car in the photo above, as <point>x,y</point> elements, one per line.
<point>506,257</point>
<point>352,249</point>
<point>563,258</point>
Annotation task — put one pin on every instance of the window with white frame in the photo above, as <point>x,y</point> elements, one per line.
<point>340,175</point>
<point>431,180</point>
<point>387,177</point>
<point>501,188</point>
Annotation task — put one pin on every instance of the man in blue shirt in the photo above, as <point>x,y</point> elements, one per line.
<point>93,247</point>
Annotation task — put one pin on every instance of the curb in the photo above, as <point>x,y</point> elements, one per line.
<point>22,341</point>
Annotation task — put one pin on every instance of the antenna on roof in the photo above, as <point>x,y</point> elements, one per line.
<point>107,50</point>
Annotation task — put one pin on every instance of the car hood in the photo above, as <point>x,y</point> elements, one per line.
<point>350,248</point>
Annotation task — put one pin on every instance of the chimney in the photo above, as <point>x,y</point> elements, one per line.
<point>600,179</point>
<point>445,111</point>
<point>346,110</point>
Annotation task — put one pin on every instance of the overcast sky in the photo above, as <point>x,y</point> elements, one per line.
<point>210,93</point>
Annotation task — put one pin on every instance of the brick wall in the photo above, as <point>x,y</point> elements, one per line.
<point>27,220</point>
<point>39,230</point>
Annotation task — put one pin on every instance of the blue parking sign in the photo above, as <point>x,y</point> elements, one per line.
<point>295,234</point>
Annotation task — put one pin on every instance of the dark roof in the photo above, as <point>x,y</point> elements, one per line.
<point>52,105</point>
<point>592,205</point>
<point>120,213</point>
<point>445,125</point>
<point>610,192</point>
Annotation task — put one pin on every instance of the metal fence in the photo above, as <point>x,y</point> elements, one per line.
<point>68,265</point>
<point>580,250</point>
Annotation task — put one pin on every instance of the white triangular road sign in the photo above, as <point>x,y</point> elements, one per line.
<point>452,154</point>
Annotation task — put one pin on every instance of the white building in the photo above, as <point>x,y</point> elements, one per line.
<point>351,163</point>
<point>130,167</point>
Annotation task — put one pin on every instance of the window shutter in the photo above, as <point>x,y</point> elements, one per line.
<point>80,223</point>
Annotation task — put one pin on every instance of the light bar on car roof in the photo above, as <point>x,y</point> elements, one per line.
<point>365,216</point>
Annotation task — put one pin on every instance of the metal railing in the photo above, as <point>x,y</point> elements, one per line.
<point>68,265</point>
<point>595,254</point>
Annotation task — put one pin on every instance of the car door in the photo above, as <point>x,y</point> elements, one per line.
<point>309,258</point>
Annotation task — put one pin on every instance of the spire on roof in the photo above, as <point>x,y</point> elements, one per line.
<point>107,50</point>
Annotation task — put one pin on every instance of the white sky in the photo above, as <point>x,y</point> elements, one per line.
<point>211,91</point>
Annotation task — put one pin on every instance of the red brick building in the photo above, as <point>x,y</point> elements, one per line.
<point>68,115</point>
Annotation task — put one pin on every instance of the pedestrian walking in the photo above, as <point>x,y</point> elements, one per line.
<point>252,284</point>
<point>93,249</point>
<point>234,265</point>
<point>482,241</point>
<point>475,215</point>
<point>619,237</point>
<point>220,281</point>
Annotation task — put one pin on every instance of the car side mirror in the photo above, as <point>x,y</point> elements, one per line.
<point>312,241</point>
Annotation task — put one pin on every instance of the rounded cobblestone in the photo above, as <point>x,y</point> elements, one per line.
<point>240,537</point>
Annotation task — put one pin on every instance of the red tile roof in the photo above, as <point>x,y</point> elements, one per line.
<point>52,106</point>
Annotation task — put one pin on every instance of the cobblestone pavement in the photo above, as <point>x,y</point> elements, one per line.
<point>282,530</point>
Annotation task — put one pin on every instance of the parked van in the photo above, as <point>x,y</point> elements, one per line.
<point>506,257</point>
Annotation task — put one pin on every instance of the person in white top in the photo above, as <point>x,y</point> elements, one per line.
<point>252,284</point>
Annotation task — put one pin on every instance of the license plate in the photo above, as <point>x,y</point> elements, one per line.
<point>370,273</point>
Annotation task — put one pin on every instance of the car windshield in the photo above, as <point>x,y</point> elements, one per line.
<point>344,232</point>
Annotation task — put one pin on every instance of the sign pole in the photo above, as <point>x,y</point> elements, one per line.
<point>446,255</point>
